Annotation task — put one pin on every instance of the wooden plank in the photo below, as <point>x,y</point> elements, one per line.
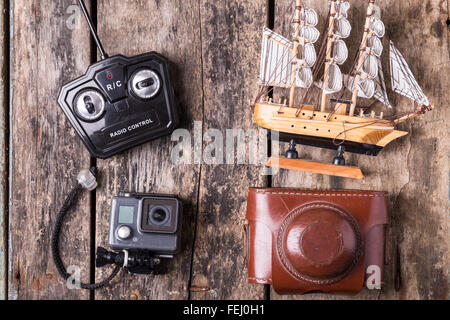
<point>420,209</point>
<point>214,48</point>
<point>3,145</point>
<point>231,32</point>
<point>414,169</point>
<point>171,28</point>
<point>46,153</point>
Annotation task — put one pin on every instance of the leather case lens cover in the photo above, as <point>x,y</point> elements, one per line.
<point>305,241</point>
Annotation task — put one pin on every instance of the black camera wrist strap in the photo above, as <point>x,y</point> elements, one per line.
<point>71,198</point>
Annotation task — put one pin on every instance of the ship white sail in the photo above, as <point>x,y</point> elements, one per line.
<point>366,87</point>
<point>277,58</point>
<point>375,45</point>
<point>371,82</point>
<point>307,56</point>
<point>377,27</point>
<point>380,87</point>
<point>342,8</point>
<point>370,66</point>
<point>342,29</point>
<point>403,81</point>
<point>370,88</point>
<point>304,77</point>
<point>340,52</point>
<point>309,16</point>
<point>334,80</point>
<point>309,34</point>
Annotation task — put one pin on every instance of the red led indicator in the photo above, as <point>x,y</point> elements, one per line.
<point>110,75</point>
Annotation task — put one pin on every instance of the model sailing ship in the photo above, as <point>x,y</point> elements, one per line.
<point>295,65</point>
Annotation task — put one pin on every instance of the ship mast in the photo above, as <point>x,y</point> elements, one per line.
<point>328,53</point>
<point>297,16</point>
<point>362,49</point>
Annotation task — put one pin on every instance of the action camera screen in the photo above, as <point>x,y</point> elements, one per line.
<point>126,214</point>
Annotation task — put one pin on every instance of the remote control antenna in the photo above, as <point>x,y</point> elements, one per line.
<point>93,31</point>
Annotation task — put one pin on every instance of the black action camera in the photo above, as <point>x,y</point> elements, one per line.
<point>143,228</point>
<point>120,102</point>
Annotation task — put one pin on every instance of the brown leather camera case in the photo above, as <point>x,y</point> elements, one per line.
<point>304,241</point>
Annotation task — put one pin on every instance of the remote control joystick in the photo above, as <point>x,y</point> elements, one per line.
<point>120,102</point>
<point>145,83</point>
<point>89,105</point>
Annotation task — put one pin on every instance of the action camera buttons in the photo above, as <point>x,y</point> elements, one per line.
<point>124,232</point>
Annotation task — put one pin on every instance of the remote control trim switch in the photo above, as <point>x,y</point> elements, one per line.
<point>145,83</point>
<point>89,105</point>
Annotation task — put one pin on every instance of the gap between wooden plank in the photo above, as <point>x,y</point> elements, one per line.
<point>271,25</point>
<point>194,237</point>
<point>93,163</point>
<point>4,142</point>
<point>38,150</point>
<point>229,72</point>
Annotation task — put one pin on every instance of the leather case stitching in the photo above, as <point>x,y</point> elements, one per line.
<point>260,279</point>
<point>322,194</point>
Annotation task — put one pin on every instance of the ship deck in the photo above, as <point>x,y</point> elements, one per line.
<point>306,121</point>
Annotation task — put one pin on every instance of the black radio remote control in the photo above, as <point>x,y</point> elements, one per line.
<point>120,102</point>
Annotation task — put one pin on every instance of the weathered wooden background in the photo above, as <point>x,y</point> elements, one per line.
<point>214,50</point>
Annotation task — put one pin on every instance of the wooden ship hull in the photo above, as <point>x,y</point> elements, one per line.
<point>361,134</point>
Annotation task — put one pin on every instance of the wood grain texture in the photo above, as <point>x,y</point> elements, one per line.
<point>3,145</point>
<point>214,51</point>
<point>171,28</point>
<point>414,169</point>
<point>46,153</point>
<point>231,33</point>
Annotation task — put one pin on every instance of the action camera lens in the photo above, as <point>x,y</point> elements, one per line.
<point>159,215</point>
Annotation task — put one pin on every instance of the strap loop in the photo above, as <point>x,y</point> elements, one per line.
<point>71,198</point>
